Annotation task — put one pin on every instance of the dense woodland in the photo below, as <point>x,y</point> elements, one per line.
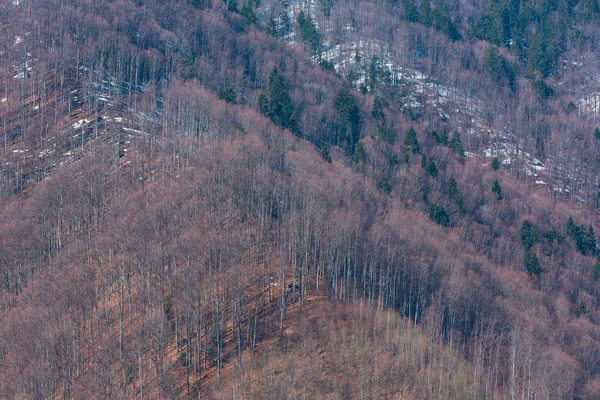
<point>209,199</point>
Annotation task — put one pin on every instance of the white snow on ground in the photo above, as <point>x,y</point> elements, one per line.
<point>80,123</point>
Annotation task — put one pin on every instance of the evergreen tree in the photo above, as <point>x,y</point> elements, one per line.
<point>411,13</point>
<point>581,310</point>
<point>359,153</point>
<point>529,236</point>
<point>542,90</point>
<point>276,103</point>
<point>429,166</point>
<point>456,145</point>
<point>452,188</point>
<point>495,164</point>
<point>532,264</point>
<point>228,94</point>
<point>439,215</point>
<point>597,133</point>
<point>597,267</point>
<point>497,190</point>
<point>410,141</point>
<point>348,115</point>
<point>271,28</point>
<point>308,31</point>
<point>374,73</point>
<point>494,64</point>
<point>425,13</point>
<point>590,241</point>
<point>378,108</point>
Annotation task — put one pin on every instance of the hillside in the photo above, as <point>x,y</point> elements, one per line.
<point>324,199</point>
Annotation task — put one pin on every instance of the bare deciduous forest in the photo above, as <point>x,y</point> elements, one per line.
<point>265,199</point>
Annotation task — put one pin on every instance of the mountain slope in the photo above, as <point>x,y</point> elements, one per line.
<point>192,207</point>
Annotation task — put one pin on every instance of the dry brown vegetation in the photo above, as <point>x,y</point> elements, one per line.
<point>159,242</point>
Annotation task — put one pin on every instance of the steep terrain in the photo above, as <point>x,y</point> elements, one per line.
<point>321,199</point>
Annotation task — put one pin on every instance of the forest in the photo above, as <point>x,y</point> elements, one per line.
<point>325,199</point>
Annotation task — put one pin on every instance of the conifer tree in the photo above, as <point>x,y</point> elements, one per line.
<point>532,264</point>
<point>276,102</point>
<point>456,145</point>
<point>495,164</point>
<point>497,190</point>
<point>348,115</point>
<point>410,141</point>
<point>529,236</point>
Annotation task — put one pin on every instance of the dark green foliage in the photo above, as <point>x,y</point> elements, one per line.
<point>497,190</point>
<point>542,90</point>
<point>228,94</point>
<point>440,139</point>
<point>373,72</point>
<point>585,239</point>
<point>327,5</point>
<point>359,153</point>
<point>460,203</point>
<point>529,236</point>
<point>429,166</point>
<point>378,108</point>
<point>248,13</point>
<point>325,154</point>
<point>308,32</point>
<point>495,164</point>
<point>452,188</point>
<point>411,143</point>
<point>271,28</point>
<point>414,114</point>
<point>456,145</point>
<point>454,192</point>
<point>440,19</point>
<point>532,264</point>
<point>232,5</point>
<point>534,31</point>
<point>553,237</point>
<point>581,310</point>
<point>570,107</point>
<point>411,13</point>
<point>590,241</point>
<point>384,186</point>
<point>589,10</point>
<point>596,272</point>
<point>502,73</point>
<point>597,133</point>
<point>405,157</point>
<point>439,215</point>
<point>348,115</point>
<point>425,14</point>
<point>276,102</point>
<point>393,160</point>
<point>326,65</point>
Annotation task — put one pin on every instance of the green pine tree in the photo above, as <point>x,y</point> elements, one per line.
<point>497,190</point>
<point>276,102</point>
<point>410,141</point>
<point>308,31</point>
<point>348,115</point>
<point>378,108</point>
<point>495,164</point>
<point>456,145</point>
<point>529,236</point>
<point>532,264</point>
